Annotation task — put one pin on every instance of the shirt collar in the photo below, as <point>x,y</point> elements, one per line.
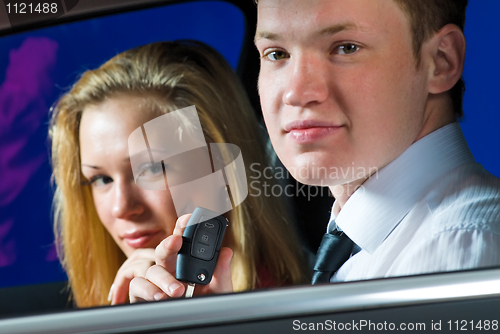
<point>375,209</point>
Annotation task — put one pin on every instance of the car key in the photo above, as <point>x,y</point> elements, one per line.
<point>201,242</point>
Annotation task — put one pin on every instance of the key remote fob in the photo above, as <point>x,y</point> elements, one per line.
<point>201,242</point>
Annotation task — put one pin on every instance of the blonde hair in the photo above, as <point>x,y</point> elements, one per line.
<point>176,75</point>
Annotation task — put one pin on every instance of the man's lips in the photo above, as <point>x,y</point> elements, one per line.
<point>307,131</point>
<point>140,239</point>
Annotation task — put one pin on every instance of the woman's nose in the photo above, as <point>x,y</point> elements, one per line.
<point>127,200</point>
<point>308,82</point>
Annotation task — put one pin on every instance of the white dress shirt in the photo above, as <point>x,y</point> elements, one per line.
<point>432,209</point>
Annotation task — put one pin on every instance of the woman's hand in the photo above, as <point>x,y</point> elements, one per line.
<point>159,281</point>
<point>136,265</point>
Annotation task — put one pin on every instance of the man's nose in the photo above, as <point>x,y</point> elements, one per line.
<point>127,200</point>
<point>307,82</point>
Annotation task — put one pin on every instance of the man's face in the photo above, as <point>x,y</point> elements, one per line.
<point>339,88</point>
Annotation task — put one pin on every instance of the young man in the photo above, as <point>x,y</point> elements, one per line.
<point>349,87</point>
<point>363,96</point>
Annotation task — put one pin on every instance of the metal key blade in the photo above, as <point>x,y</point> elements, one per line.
<point>190,290</point>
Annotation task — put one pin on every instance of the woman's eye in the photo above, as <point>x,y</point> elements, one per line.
<point>276,55</point>
<point>347,49</point>
<point>99,181</point>
<point>154,170</point>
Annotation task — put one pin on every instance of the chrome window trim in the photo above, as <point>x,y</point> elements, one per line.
<point>261,305</point>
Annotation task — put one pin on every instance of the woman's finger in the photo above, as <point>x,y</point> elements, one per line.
<point>166,252</point>
<point>160,277</point>
<point>221,280</point>
<point>136,265</point>
<point>120,290</point>
<point>142,290</point>
<point>181,224</point>
<point>222,273</point>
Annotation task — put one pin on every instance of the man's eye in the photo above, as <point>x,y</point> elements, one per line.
<point>276,55</point>
<point>347,49</point>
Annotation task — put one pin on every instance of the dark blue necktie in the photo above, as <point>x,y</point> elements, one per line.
<point>334,250</point>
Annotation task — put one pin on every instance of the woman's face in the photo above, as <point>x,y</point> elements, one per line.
<point>135,217</point>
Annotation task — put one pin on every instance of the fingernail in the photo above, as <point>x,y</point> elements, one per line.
<point>230,258</point>
<point>174,286</point>
<point>110,294</point>
<point>158,296</point>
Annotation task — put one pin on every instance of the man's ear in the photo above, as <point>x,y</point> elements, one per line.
<point>446,50</point>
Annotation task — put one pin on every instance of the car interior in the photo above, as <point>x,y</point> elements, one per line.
<point>40,58</point>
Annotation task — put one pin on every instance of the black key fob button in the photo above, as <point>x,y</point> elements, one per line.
<point>202,240</point>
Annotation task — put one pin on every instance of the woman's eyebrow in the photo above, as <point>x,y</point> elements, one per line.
<point>91,166</point>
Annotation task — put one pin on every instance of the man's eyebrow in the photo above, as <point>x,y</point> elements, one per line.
<point>265,35</point>
<point>331,30</point>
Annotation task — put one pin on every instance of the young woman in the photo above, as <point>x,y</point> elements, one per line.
<point>106,226</point>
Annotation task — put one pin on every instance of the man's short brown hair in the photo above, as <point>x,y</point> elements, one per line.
<point>426,18</point>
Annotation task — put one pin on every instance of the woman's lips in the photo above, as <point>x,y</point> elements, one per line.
<point>141,239</point>
<point>310,131</point>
